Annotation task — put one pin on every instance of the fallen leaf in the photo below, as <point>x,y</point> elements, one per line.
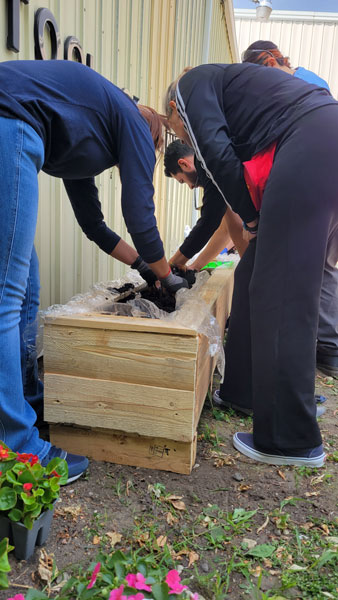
<point>176,502</point>
<point>171,519</point>
<point>114,537</point>
<point>281,474</point>
<point>193,557</point>
<point>161,541</point>
<point>244,488</point>
<point>72,511</point>
<point>325,528</point>
<point>267,563</point>
<point>250,543</point>
<point>96,540</point>
<point>45,567</point>
<point>263,526</point>
<point>128,486</point>
<point>308,525</point>
<point>256,572</point>
<point>295,567</point>
<point>310,494</point>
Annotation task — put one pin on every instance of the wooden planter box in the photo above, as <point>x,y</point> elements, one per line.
<point>130,390</point>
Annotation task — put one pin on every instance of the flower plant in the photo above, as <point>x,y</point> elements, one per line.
<point>26,488</point>
<point>120,576</point>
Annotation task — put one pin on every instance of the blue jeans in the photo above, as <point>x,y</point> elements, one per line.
<point>32,386</point>
<point>21,158</point>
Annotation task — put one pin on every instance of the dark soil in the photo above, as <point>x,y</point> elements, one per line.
<point>158,295</point>
<point>113,498</point>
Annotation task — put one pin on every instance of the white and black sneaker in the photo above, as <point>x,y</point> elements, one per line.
<point>311,457</point>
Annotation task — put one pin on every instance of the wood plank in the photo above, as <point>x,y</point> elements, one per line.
<point>145,358</point>
<point>127,407</point>
<point>99,321</point>
<point>126,449</point>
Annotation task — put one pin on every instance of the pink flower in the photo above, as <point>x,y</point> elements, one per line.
<point>94,576</point>
<point>17,597</point>
<point>173,580</point>
<point>194,597</point>
<point>138,582</point>
<point>117,594</point>
<point>138,596</point>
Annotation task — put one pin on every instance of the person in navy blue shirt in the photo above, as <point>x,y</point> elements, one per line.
<point>65,119</point>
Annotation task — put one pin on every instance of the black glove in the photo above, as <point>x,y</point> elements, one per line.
<point>173,282</point>
<point>144,270</point>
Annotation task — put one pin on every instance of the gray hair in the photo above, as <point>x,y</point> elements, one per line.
<point>169,96</point>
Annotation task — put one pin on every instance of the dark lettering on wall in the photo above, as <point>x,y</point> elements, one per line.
<point>73,49</point>
<point>44,23</point>
<point>44,19</point>
<point>13,20</point>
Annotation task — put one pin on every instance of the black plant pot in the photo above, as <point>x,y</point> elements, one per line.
<point>24,540</point>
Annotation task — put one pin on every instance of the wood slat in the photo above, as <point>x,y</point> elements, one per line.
<point>125,449</point>
<point>145,358</point>
<point>126,407</point>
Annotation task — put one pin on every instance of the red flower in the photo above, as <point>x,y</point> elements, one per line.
<point>25,458</point>
<point>3,452</point>
<point>55,474</point>
<point>27,487</point>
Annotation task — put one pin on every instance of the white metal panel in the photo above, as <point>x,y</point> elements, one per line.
<point>309,39</point>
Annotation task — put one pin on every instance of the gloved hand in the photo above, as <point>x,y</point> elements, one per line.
<point>144,270</point>
<point>173,282</point>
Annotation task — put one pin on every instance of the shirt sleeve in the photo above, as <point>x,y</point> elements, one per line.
<point>136,156</point>
<point>211,139</point>
<point>212,212</point>
<point>83,195</point>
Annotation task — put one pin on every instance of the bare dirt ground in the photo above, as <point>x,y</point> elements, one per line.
<point>228,507</point>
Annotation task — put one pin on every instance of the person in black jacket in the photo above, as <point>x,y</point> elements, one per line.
<point>217,223</point>
<point>229,114</point>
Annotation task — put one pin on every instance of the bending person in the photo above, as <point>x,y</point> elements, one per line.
<point>218,224</point>
<point>67,120</point>
<point>229,114</point>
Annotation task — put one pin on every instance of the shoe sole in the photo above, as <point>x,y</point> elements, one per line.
<point>74,478</point>
<point>222,404</point>
<point>327,371</point>
<point>272,459</point>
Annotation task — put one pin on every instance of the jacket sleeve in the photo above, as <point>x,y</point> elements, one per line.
<point>200,106</point>
<point>212,212</point>
<point>136,156</point>
<point>83,195</point>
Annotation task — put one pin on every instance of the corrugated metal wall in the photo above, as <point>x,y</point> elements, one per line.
<point>309,39</point>
<point>141,45</point>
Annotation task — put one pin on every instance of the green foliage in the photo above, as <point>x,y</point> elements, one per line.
<point>5,548</point>
<point>27,488</point>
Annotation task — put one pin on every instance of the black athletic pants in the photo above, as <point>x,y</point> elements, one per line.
<point>271,346</point>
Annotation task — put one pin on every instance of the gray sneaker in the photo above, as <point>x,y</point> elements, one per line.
<point>311,457</point>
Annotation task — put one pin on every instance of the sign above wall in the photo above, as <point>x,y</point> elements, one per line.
<point>44,22</point>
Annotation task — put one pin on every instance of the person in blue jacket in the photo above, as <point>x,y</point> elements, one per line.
<point>267,53</point>
<point>229,114</point>
<point>65,119</point>
<point>235,391</point>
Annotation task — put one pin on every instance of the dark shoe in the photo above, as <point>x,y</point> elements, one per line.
<point>327,364</point>
<point>77,464</point>
<point>223,405</point>
<point>311,457</point>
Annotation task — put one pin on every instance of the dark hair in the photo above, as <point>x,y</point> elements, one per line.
<point>173,153</point>
<point>261,51</point>
<point>156,123</point>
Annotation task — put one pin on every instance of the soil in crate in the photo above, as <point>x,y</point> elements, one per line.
<point>160,297</point>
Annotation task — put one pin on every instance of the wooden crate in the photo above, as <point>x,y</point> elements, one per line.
<point>130,390</point>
